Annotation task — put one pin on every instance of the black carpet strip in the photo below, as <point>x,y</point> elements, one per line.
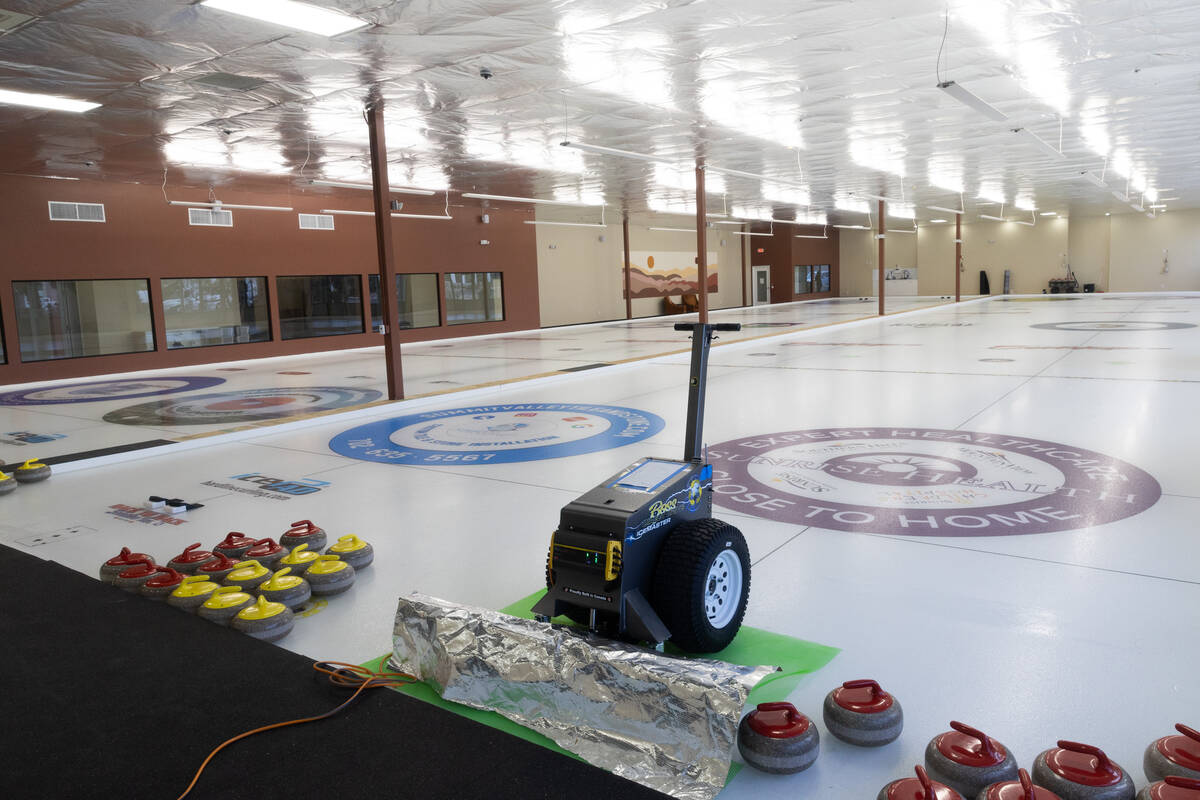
<point>108,695</point>
<point>85,454</point>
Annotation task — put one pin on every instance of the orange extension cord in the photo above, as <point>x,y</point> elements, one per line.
<point>348,676</point>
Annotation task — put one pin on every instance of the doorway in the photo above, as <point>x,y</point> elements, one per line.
<point>761,281</point>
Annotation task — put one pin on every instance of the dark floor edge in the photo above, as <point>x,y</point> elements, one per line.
<point>103,451</point>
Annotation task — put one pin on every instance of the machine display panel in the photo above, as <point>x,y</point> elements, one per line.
<point>650,475</point>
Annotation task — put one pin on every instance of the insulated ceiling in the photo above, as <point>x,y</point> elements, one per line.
<point>830,101</point>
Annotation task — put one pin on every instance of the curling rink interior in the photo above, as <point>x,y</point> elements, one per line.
<point>1029,565</point>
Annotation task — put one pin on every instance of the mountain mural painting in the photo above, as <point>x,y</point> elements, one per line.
<point>665,274</point>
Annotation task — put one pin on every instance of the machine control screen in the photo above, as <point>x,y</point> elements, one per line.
<point>650,475</point>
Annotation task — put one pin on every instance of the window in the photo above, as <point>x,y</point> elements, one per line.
<point>820,278</point>
<point>200,312</point>
<point>72,319</point>
<point>416,300</point>
<point>473,297</point>
<point>810,279</point>
<point>800,280</point>
<point>3,355</point>
<point>319,305</point>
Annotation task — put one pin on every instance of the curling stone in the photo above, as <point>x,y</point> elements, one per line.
<point>248,575</point>
<point>775,737</point>
<point>32,471</point>
<point>234,545</point>
<point>137,573</point>
<point>224,604</point>
<point>1020,789</point>
<point>191,559</point>
<point>330,575</point>
<point>918,788</point>
<point>122,561</point>
<point>1172,787</point>
<point>1174,755</point>
<point>160,586</point>
<point>862,713</point>
<point>218,568</point>
<point>968,760</point>
<point>303,532</point>
<point>282,587</point>
<point>266,552</point>
<point>192,593</point>
<point>1077,771</point>
<point>300,559</point>
<point>353,550</point>
<point>265,620</point>
<point>7,483</point>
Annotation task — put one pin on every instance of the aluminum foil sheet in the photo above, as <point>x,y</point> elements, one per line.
<point>667,723</point>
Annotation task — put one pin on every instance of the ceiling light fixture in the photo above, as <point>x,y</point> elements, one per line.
<point>394,214</point>
<point>612,151</point>
<point>1049,214</point>
<point>995,219</point>
<point>675,230</point>
<point>46,101</point>
<point>509,199</point>
<point>935,221</point>
<point>947,210</point>
<point>566,224</point>
<point>853,227</point>
<point>217,205</point>
<point>1039,142</point>
<point>972,100</point>
<point>750,233</point>
<point>290,14</point>
<point>882,197</point>
<point>368,187</point>
<point>1093,178</point>
<point>900,230</point>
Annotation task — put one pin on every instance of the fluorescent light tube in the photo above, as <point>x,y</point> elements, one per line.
<point>47,101</point>
<point>566,224</point>
<point>1048,214</point>
<point>936,221</point>
<point>220,206</point>
<point>1117,193</point>
<point>1023,222</point>
<point>750,233</point>
<point>971,100</point>
<point>1039,142</point>
<point>899,230</point>
<point>368,187</point>
<point>290,14</point>
<point>947,210</point>
<point>509,199</point>
<point>1158,205</point>
<point>676,230</point>
<point>989,216</point>
<point>1136,207</point>
<point>1093,178</point>
<point>612,151</point>
<point>422,216</point>
<point>372,213</point>
<point>853,227</point>
<point>728,222</point>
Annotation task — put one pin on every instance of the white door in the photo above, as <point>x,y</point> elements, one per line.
<point>761,281</point>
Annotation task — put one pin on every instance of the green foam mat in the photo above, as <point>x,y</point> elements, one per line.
<point>752,647</point>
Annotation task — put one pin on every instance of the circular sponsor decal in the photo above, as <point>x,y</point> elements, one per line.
<point>247,405</point>
<point>926,482</point>
<point>501,434</point>
<point>96,391</point>
<point>1112,325</point>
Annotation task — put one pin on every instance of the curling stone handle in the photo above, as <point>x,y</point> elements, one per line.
<point>305,524</point>
<point>983,738</point>
<point>1026,784</point>
<point>1191,733</point>
<point>191,547</point>
<point>926,784</point>
<point>1182,782</point>
<point>866,683</point>
<point>792,713</point>
<point>1078,747</point>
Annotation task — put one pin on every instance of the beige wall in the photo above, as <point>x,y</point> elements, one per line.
<point>857,252</point>
<point>1035,255</point>
<point>935,261</point>
<point>1136,252</point>
<point>1088,247</point>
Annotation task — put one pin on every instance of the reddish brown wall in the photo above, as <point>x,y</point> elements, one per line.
<point>785,251</point>
<point>146,238</point>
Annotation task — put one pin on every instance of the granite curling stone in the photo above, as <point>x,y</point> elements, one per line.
<point>7,483</point>
<point>283,587</point>
<point>192,593</point>
<point>968,760</point>
<point>264,620</point>
<point>160,586</point>
<point>918,788</point>
<point>248,575</point>
<point>1174,755</point>
<point>329,576</point>
<point>300,559</point>
<point>234,545</point>
<point>32,471</point>
<point>304,532</point>
<point>862,713</point>
<point>224,604</point>
<point>122,561</point>
<point>353,550</point>
<point>1076,771</point>
<point>1020,789</point>
<point>266,552</point>
<point>191,559</point>
<point>133,576</point>
<point>775,737</point>
<point>217,569</point>
<point>1172,787</point>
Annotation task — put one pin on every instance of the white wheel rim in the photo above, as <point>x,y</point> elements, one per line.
<point>723,589</point>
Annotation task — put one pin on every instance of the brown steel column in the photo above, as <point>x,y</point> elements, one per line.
<point>701,241</point>
<point>628,298</point>
<point>882,227</point>
<point>383,246</point>
<point>744,245</point>
<point>957,257</point>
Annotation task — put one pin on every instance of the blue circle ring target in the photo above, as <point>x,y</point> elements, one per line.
<point>497,434</point>
<point>99,391</point>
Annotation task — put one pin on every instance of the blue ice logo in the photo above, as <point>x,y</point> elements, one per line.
<point>303,486</point>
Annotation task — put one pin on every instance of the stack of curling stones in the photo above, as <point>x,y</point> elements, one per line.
<point>1174,755</point>
<point>968,760</point>
<point>921,787</point>
<point>1076,771</point>
<point>862,713</point>
<point>775,737</point>
<point>1172,787</point>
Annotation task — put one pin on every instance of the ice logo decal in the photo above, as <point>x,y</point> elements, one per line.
<point>926,482</point>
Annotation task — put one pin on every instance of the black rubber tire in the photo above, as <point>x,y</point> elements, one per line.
<point>679,583</point>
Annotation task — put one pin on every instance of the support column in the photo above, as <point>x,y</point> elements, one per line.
<point>744,245</point>
<point>384,249</point>
<point>701,240</point>
<point>628,297</point>
<point>880,239</point>
<point>957,257</point>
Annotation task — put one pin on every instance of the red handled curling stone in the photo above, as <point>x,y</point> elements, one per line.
<point>863,714</point>
<point>122,561</point>
<point>1174,755</point>
<point>1172,787</point>
<point>266,552</point>
<point>192,593</point>
<point>775,737</point>
<point>918,788</point>
<point>142,570</point>
<point>160,586</point>
<point>234,545</point>
<point>353,550</point>
<point>1077,771</point>
<point>291,590</point>
<point>191,559</point>
<point>265,620</point>
<point>217,569</point>
<point>968,760</point>
<point>248,575</point>
<point>329,576</point>
<point>1020,789</point>
<point>224,604</point>
<point>303,532</point>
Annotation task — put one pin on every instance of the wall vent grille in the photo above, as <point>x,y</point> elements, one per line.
<point>211,217</point>
<point>76,212</point>
<point>316,222</point>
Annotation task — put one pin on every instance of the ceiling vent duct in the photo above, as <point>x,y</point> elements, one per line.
<point>316,222</point>
<point>212,217</point>
<point>11,21</point>
<point>76,212</point>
